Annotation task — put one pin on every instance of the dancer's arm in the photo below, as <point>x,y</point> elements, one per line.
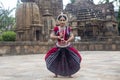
<point>71,37</point>
<point>53,36</point>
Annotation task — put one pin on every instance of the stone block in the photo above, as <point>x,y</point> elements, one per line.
<point>98,47</point>
<point>91,47</point>
<point>113,47</point>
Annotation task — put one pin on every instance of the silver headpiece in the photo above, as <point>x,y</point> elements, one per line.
<point>62,15</point>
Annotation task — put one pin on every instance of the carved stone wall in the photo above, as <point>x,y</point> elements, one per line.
<point>19,48</point>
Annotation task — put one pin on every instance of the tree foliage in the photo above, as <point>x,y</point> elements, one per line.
<point>72,1</point>
<point>6,19</point>
<point>1,38</point>
<point>104,1</point>
<point>8,36</point>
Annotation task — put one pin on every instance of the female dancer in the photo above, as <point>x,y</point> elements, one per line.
<point>63,59</point>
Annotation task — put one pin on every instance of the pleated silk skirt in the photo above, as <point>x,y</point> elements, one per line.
<point>63,61</point>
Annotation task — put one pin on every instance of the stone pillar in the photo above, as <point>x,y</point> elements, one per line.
<point>49,23</point>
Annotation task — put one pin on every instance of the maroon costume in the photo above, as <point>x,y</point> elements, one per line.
<point>63,61</point>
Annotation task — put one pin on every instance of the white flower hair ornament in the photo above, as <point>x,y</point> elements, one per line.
<point>62,16</point>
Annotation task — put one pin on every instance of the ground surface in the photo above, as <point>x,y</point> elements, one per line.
<point>96,65</point>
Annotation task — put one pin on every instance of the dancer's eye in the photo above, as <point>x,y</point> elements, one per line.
<point>62,20</point>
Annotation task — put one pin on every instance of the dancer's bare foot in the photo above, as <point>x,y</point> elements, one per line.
<point>70,76</point>
<point>55,76</point>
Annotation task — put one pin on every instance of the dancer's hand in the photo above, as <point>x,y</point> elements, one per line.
<point>59,37</point>
<point>66,42</point>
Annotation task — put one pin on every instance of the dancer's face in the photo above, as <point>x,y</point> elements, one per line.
<point>62,21</point>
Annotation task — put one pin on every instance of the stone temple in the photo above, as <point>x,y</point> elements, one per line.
<point>93,22</point>
<point>36,18</point>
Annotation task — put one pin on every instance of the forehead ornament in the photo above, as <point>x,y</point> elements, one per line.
<point>62,16</point>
